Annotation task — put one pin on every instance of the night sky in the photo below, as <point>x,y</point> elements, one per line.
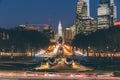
<point>16,12</point>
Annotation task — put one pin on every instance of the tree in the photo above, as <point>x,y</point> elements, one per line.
<point>24,39</point>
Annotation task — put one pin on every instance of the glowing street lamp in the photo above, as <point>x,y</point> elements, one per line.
<point>107,49</point>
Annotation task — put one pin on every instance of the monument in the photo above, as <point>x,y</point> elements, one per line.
<point>61,63</point>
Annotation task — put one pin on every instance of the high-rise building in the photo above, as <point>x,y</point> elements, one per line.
<point>81,15</point>
<point>113,13</point>
<point>73,30</point>
<point>60,30</point>
<point>84,23</point>
<point>68,35</point>
<point>107,14</point>
<point>81,8</point>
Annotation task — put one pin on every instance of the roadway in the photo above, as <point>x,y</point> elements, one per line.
<point>28,75</point>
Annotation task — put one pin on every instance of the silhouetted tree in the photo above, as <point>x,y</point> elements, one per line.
<point>24,39</point>
<point>101,40</point>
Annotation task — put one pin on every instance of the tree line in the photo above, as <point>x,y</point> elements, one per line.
<point>22,40</point>
<point>100,41</point>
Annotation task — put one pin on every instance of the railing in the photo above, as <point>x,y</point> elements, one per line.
<point>15,54</point>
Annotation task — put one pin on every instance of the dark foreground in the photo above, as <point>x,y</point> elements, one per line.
<point>101,63</point>
<point>17,71</point>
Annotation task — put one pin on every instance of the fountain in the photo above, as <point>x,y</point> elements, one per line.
<point>61,63</point>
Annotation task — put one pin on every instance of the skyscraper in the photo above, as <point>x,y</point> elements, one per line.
<point>81,14</point>
<point>113,13</point>
<point>68,35</point>
<point>60,30</point>
<point>81,8</point>
<point>84,23</point>
<point>107,14</point>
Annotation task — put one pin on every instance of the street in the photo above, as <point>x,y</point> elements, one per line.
<point>55,76</point>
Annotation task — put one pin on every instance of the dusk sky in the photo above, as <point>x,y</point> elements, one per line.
<point>16,12</point>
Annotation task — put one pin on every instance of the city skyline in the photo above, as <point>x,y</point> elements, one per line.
<point>59,39</point>
<point>13,13</point>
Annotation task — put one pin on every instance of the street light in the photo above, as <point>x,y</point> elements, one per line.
<point>3,52</point>
<point>12,49</point>
<point>114,52</point>
<point>88,52</point>
<point>107,49</point>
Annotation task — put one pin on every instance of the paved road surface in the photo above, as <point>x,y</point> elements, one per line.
<point>54,76</point>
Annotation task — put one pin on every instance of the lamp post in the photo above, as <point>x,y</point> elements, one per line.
<point>12,50</point>
<point>88,52</point>
<point>114,52</point>
<point>3,52</point>
<point>107,49</point>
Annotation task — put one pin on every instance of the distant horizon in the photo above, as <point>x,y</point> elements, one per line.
<point>14,13</point>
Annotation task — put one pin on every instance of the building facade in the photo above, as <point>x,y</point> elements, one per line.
<point>81,8</point>
<point>73,30</point>
<point>68,35</point>
<point>107,14</point>
<point>84,23</point>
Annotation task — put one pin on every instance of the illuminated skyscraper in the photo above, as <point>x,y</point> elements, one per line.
<point>84,23</point>
<point>107,14</point>
<point>113,13</point>
<point>81,15</point>
<point>60,30</point>
<point>81,8</point>
<point>68,35</point>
